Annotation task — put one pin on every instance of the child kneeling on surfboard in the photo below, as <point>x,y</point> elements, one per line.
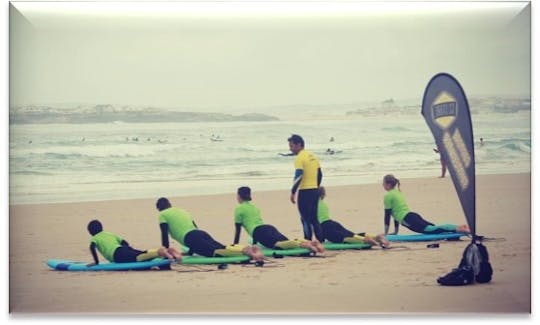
<point>395,206</point>
<point>247,215</point>
<point>333,231</point>
<point>117,250</point>
<point>180,225</point>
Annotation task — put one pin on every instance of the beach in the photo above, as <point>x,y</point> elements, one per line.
<point>399,280</point>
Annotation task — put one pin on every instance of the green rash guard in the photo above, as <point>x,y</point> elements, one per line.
<point>248,215</point>
<point>106,244</point>
<point>180,223</point>
<point>395,201</point>
<point>322,212</point>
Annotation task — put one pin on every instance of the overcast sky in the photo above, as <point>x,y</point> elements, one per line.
<point>257,55</point>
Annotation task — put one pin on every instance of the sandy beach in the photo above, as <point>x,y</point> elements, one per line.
<point>400,280</point>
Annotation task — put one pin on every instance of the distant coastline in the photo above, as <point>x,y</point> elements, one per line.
<point>89,113</point>
<point>109,113</point>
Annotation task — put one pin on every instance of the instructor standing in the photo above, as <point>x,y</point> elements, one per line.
<point>307,179</point>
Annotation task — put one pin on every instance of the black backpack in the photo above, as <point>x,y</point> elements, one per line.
<point>474,267</point>
<point>458,277</point>
<point>477,257</point>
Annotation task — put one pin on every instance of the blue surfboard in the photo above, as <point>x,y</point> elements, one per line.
<point>425,237</point>
<point>66,265</point>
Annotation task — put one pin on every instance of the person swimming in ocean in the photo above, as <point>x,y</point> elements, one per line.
<point>248,216</point>
<point>333,231</point>
<point>396,207</point>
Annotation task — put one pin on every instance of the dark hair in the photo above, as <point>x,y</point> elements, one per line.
<point>163,203</point>
<point>392,181</point>
<point>94,227</point>
<point>296,139</point>
<point>322,192</point>
<point>245,193</point>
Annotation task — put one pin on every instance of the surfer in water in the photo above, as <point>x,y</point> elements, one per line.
<point>395,206</point>
<point>247,215</point>
<point>117,250</point>
<point>336,233</point>
<point>180,225</point>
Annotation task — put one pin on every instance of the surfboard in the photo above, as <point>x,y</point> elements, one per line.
<point>304,251</point>
<point>67,265</point>
<point>187,260</point>
<point>425,237</point>
<point>341,246</point>
<point>268,252</point>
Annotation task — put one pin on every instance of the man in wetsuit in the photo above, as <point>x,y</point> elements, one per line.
<point>180,225</point>
<point>115,249</point>
<point>307,179</point>
<point>247,215</point>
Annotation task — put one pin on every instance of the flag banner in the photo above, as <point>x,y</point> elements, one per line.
<point>446,111</point>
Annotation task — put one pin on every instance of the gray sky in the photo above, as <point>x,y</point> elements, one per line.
<point>246,55</point>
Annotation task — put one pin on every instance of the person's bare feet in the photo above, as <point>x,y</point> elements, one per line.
<point>318,246</point>
<point>383,242</point>
<point>254,252</point>
<point>371,241</point>
<point>163,252</point>
<point>463,229</point>
<point>309,245</point>
<point>176,254</point>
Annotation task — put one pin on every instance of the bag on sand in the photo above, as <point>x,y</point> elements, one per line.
<point>474,267</point>
<point>458,277</point>
<point>476,256</point>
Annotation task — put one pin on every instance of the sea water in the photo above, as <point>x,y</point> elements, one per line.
<point>86,162</point>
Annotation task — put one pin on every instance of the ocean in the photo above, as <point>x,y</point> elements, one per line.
<point>107,161</point>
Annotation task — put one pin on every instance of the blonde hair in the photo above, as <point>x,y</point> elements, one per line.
<point>392,181</point>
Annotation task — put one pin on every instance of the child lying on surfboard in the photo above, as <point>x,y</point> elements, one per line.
<point>395,206</point>
<point>180,225</point>
<point>117,250</point>
<point>247,215</point>
<point>336,233</point>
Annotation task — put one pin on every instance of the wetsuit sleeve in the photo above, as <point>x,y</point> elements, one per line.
<point>387,215</point>
<point>396,226</point>
<point>237,230</point>
<point>164,234</point>
<point>319,177</point>
<point>94,253</point>
<point>297,179</point>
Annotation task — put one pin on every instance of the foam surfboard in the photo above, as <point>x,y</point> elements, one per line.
<point>190,260</point>
<point>425,237</point>
<point>341,246</point>
<point>268,252</point>
<point>66,265</point>
<point>303,251</point>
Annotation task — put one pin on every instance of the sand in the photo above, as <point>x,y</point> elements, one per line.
<point>400,280</point>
